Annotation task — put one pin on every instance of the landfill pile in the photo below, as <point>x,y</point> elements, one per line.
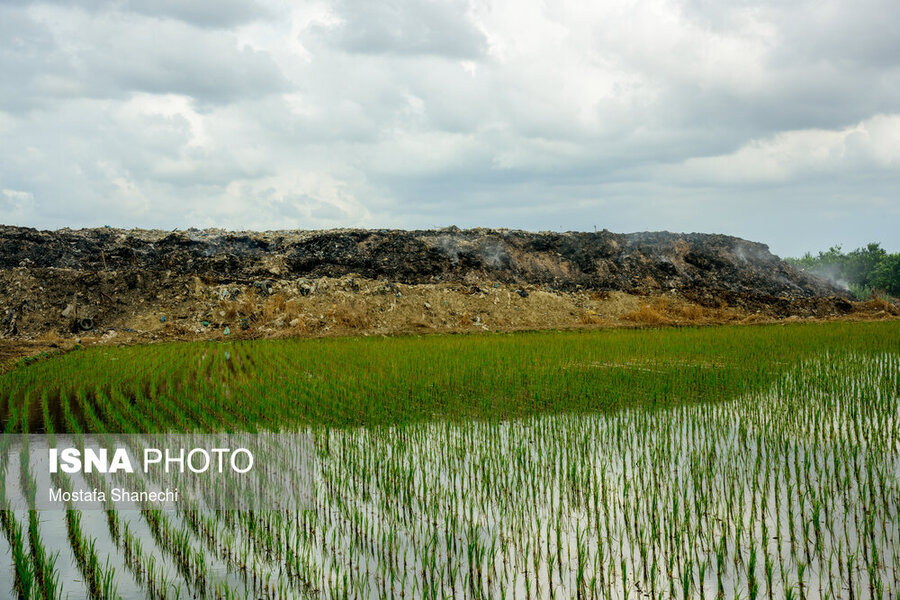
<point>641,262</point>
<point>115,285</point>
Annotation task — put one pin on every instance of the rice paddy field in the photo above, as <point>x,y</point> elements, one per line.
<point>730,462</point>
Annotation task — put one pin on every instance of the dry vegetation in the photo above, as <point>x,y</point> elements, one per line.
<point>669,311</point>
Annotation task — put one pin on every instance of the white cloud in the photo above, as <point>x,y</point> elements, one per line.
<point>290,200</point>
<point>871,144</point>
<point>15,204</point>
<point>406,28</point>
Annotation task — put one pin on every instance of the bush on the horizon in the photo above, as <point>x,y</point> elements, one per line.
<point>866,272</point>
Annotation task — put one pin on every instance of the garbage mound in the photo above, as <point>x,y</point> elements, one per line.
<point>115,285</point>
<point>603,260</point>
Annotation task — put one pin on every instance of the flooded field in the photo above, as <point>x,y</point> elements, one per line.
<point>790,488</point>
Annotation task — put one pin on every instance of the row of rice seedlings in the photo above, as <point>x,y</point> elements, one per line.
<point>100,578</point>
<point>25,582</point>
<point>177,542</point>
<point>9,569</point>
<point>46,575</point>
<point>24,585</point>
<point>41,578</point>
<point>152,575</point>
<point>44,564</point>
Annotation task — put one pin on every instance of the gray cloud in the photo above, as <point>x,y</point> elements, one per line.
<point>407,27</point>
<point>170,58</point>
<point>859,33</point>
<point>34,67</point>
<point>114,54</point>
<point>202,13</point>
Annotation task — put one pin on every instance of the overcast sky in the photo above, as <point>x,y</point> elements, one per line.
<point>774,121</point>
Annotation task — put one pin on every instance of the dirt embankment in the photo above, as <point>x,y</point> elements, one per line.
<point>136,285</point>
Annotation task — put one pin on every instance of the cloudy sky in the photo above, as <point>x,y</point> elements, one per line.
<point>771,120</point>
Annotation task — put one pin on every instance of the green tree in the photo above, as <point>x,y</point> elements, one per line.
<point>886,275</point>
<point>860,264</point>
